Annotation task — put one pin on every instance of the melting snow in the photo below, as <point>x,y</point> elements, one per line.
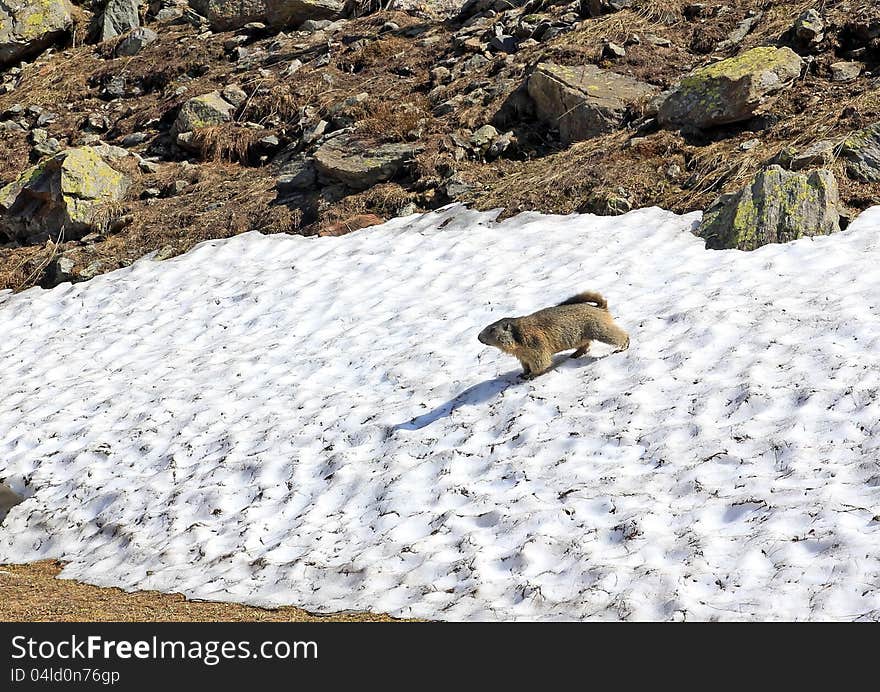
<point>312,421</point>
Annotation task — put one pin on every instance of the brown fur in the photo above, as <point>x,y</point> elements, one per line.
<point>574,323</point>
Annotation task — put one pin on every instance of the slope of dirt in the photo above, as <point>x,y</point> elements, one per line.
<point>228,186</point>
<point>33,593</point>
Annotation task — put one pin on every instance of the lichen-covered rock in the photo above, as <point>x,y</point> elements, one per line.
<point>27,27</point>
<point>584,101</point>
<point>808,29</point>
<point>224,15</point>
<point>360,165</point>
<point>202,111</point>
<point>117,17</point>
<point>861,151</point>
<point>730,90</point>
<point>60,192</point>
<point>776,207</point>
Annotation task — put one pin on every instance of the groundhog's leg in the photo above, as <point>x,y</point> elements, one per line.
<point>622,341</point>
<point>582,349</point>
<point>527,370</point>
<point>539,363</point>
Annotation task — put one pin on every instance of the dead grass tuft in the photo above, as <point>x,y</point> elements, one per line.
<point>227,142</point>
<point>384,121</point>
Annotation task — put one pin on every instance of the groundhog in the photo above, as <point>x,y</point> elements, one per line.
<point>573,323</point>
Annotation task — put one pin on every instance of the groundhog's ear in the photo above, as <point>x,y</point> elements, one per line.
<point>514,332</point>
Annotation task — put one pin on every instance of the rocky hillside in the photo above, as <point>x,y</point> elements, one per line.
<point>129,128</point>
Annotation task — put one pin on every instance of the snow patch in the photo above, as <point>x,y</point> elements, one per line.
<point>312,421</point>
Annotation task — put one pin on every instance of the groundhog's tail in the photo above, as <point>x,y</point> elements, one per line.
<point>588,297</point>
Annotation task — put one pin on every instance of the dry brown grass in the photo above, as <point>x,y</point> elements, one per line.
<point>33,593</point>
<point>383,121</point>
<point>227,142</point>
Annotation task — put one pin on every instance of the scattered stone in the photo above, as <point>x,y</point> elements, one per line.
<point>455,188</point>
<point>62,191</point>
<point>584,101</point>
<point>730,90</point>
<point>45,118</point>
<point>389,27</point>
<point>861,150</point>
<point>176,188</point>
<point>151,193</point>
<point>776,207</point>
<point>658,41</point>
<point>28,28</point>
<point>117,17</point>
<point>136,41</point>
<point>134,139</point>
<point>115,88</point>
<point>291,68</point>
<point>234,94</point>
<point>613,51</point>
<point>313,25</point>
<point>360,165</point>
<point>846,71</point>
<point>150,167</point>
<point>742,30</point>
<point>96,122</point>
<point>315,132</point>
<point>808,29</point>
<point>482,138</point>
<point>749,144</point>
<point>441,75</point>
<point>504,43</point>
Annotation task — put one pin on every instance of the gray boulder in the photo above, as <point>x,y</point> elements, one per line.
<point>584,101</point>
<point>861,151</point>
<point>28,28</point>
<point>846,71</point>
<point>730,90</point>
<point>359,164</point>
<point>136,41</point>
<point>118,17</point>
<point>776,207</point>
<point>202,111</point>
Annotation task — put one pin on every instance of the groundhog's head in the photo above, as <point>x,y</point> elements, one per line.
<point>502,334</point>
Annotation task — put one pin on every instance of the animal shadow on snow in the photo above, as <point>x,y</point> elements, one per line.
<point>487,390</point>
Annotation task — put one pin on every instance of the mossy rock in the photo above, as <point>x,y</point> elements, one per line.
<point>29,27</point>
<point>730,90</point>
<point>861,151</point>
<point>203,111</point>
<point>61,192</point>
<point>776,207</point>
